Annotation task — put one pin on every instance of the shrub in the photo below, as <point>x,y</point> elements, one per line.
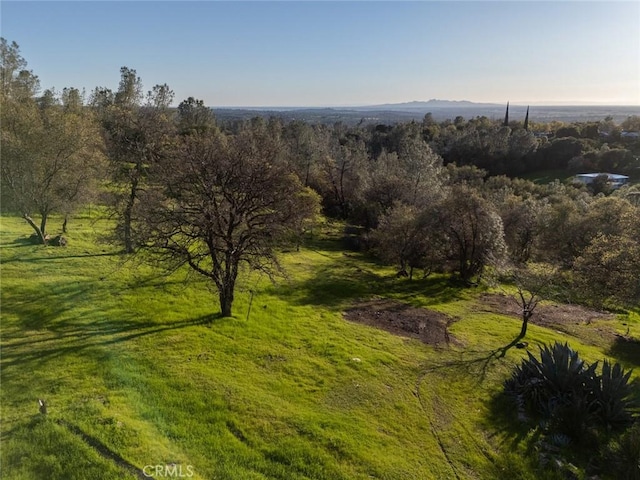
<point>566,396</point>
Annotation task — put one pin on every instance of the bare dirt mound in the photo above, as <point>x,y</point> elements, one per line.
<point>426,325</point>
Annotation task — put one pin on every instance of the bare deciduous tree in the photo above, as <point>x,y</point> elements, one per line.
<point>223,201</point>
<point>532,282</point>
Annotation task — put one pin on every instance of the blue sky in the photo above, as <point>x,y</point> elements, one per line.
<point>330,53</point>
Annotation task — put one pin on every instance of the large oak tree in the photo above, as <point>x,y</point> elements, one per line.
<point>224,200</point>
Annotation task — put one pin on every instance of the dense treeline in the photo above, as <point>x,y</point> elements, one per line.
<point>429,196</point>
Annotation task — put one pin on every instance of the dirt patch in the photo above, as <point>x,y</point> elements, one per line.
<point>574,320</point>
<point>549,316</point>
<point>426,325</point>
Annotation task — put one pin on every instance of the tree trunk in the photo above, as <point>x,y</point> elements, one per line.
<point>228,286</point>
<point>526,315</point>
<point>35,227</point>
<point>126,229</point>
<point>226,301</point>
<point>464,263</point>
<point>128,216</point>
<point>465,272</point>
<point>43,226</point>
<point>523,330</point>
<point>64,224</point>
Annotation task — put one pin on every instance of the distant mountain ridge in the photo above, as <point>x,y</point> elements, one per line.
<point>401,107</point>
<point>421,105</point>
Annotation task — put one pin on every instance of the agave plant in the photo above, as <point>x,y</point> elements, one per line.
<point>613,403</point>
<point>567,396</point>
<point>552,381</point>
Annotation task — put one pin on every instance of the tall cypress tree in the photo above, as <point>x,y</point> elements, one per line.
<point>526,119</point>
<point>506,117</point>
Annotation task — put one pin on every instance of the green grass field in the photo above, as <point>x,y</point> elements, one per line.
<point>137,370</point>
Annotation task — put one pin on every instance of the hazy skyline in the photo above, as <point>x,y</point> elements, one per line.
<point>339,53</point>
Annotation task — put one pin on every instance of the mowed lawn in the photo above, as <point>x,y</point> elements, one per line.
<point>137,370</point>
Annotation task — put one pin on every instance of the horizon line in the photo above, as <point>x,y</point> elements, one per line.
<point>472,103</point>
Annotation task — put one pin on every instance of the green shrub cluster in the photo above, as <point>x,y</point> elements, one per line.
<point>570,399</point>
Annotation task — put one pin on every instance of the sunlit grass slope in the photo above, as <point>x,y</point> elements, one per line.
<point>137,370</point>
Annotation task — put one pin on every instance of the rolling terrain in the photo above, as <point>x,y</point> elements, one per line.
<point>138,371</point>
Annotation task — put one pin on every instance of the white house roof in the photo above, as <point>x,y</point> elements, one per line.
<point>612,176</point>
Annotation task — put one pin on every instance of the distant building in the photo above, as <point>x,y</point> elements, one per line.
<point>635,135</point>
<point>615,180</point>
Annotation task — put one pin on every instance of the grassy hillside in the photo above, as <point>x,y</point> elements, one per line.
<point>137,370</point>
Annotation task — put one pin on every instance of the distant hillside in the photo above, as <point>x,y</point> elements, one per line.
<point>440,110</point>
<point>426,106</point>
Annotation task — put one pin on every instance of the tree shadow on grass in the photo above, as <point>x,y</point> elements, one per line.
<point>104,450</point>
<point>514,435</point>
<point>474,364</point>
<point>332,285</point>
<point>42,324</point>
<point>76,338</point>
<point>352,278</point>
<point>40,304</point>
<point>46,258</point>
<point>320,245</point>
<point>434,289</point>
<point>502,418</point>
<point>627,350</point>
<point>19,242</point>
